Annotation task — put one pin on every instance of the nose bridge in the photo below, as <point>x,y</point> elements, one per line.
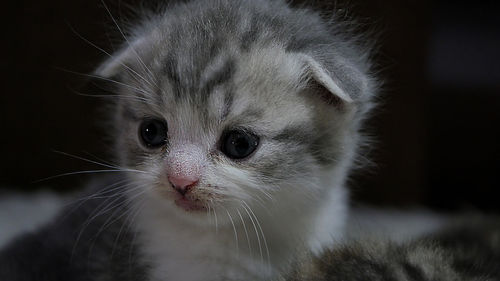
<point>185,161</point>
<point>187,128</point>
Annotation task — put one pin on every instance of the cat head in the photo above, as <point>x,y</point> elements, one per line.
<point>236,104</point>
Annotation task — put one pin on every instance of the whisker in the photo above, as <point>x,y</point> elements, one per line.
<point>97,163</point>
<point>266,194</point>
<point>135,89</point>
<point>256,232</point>
<point>263,236</point>
<point>124,97</point>
<point>209,213</point>
<point>113,169</point>
<point>215,216</point>
<point>105,190</point>
<point>127,202</point>
<point>116,209</point>
<point>128,213</point>
<point>116,186</point>
<point>235,232</point>
<point>106,53</point>
<point>246,232</point>
<point>99,212</point>
<point>130,224</point>
<point>87,223</point>
<point>151,75</point>
<point>81,172</point>
<point>100,159</point>
<point>261,202</point>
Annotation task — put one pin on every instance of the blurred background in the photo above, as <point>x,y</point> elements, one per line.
<point>437,129</point>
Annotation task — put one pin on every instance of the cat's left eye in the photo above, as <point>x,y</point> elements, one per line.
<point>238,144</point>
<point>153,133</point>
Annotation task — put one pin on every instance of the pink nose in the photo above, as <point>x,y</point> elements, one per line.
<point>182,184</point>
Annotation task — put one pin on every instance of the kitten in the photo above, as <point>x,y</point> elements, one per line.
<point>236,123</point>
<point>469,250</point>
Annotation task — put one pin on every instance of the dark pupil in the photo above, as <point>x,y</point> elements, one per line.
<point>153,133</point>
<point>150,132</point>
<point>239,144</point>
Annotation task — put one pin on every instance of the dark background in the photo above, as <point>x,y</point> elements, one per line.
<point>437,129</point>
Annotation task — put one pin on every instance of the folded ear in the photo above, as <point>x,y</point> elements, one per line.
<point>336,82</point>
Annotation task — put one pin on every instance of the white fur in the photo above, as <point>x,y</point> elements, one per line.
<point>330,222</point>
<point>180,249</point>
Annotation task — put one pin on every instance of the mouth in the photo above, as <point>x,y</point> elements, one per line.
<point>190,204</point>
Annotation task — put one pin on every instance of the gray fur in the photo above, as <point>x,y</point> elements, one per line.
<point>81,244</point>
<point>185,44</point>
<point>299,82</point>
<point>467,251</point>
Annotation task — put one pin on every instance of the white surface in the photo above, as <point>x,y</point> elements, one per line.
<point>23,212</point>
<point>393,224</point>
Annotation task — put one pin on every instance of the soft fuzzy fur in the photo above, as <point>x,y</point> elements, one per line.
<point>285,74</point>
<point>300,83</point>
<point>467,250</point>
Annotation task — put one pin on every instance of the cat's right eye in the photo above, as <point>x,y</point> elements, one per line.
<point>153,133</point>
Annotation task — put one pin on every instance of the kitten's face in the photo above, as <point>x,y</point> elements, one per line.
<point>224,109</point>
<point>248,131</point>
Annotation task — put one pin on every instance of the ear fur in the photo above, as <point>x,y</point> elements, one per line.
<point>323,78</point>
<point>344,82</point>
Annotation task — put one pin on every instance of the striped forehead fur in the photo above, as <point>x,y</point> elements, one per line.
<point>182,39</point>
